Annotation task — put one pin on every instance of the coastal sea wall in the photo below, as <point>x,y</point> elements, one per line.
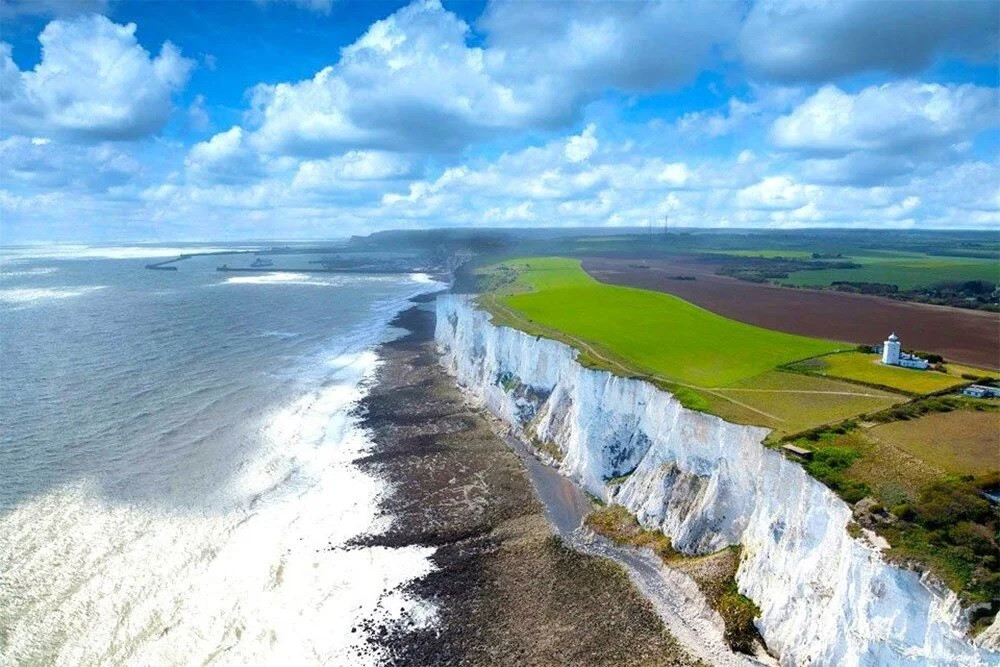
<point>825,597</point>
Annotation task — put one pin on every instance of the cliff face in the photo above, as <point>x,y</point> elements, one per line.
<point>825,597</point>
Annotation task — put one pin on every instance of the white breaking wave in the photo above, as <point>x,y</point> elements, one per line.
<point>323,280</point>
<point>28,295</point>
<point>108,252</point>
<point>825,597</point>
<point>283,278</point>
<point>24,273</point>
<point>266,578</point>
<point>263,572</point>
<point>279,334</point>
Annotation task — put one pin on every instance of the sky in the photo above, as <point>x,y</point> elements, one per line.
<point>308,119</point>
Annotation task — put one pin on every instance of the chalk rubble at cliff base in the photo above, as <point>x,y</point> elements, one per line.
<point>825,597</point>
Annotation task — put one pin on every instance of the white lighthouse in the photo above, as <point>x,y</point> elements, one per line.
<point>890,350</point>
<point>892,356</point>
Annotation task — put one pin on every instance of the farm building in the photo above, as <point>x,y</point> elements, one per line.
<point>980,391</point>
<point>893,356</point>
<point>798,451</point>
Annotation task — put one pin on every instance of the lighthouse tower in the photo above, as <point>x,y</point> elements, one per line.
<point>890,351</point>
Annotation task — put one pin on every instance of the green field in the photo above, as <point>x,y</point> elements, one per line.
<point>861,367</point>
<point>905,270</point>
<point>800,402</point>
<point>910,468</point>
<point>656,332</point>
<point>769,254</point>
<point>958,370</point>
<point>962,442</point>
<point>810,392</point>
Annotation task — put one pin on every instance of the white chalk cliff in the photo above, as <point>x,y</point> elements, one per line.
<point>825,597</point>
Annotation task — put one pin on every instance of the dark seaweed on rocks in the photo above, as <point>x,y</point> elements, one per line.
<point>506,591</point>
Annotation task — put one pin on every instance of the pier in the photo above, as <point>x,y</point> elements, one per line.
<point>275,269</point>
<point>168,264</point>
<point>165,265</point>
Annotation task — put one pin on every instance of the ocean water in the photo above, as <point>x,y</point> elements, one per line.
<point>176,476</point>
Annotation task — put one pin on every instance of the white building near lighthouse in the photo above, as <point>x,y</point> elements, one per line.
<point>893,356</point>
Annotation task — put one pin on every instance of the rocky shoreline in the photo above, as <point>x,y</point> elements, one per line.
<point>506,590</point>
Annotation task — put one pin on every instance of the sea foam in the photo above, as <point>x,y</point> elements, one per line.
<point>263,572</point>
<point>29,295</point>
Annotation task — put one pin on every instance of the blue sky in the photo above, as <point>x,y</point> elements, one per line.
<point>318,118</point>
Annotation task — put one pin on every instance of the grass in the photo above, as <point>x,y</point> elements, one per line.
<point>960,371</point>
<point>715,573</point>
<point>710,363</point>
<point>929,517</point>
<point>865,368</point>
<point>549,448</point>
<point>655,332</point>
<point>732,369</point>
<point>905,270</point>
<point>615,522</point>
<point>770,254</point>
<point>960,442</point>
<point>796,399</point>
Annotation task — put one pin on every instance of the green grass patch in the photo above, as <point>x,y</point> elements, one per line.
<point>950,530</point>
<point>615,522</point>
<point>963,442</point>
<point>715,573</point>
<point>549,448</point>
<point>829,464</point>
<point>801,402</point>
<point>738,612</point>
<point>769,254</point>
<point>970,373</point>
<point>935,520</point>
<point>906,270</point>
<point>653,331</point>
<point>866,368</point>
<point>620,479</point>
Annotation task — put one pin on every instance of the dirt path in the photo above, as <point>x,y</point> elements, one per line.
<point>799,391</point>
<point>675,596</point>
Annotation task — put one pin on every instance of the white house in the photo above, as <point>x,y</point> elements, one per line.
<point>893,356</point>
<point>979,391</point>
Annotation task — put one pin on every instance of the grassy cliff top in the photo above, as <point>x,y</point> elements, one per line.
<point>919,472</point>
<point>709,362</point>
<point>654,331</point>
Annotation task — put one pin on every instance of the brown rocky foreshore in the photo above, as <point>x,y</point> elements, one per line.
<point>506,591</point>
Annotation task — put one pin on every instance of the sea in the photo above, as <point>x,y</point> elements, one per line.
<point>177,482</point>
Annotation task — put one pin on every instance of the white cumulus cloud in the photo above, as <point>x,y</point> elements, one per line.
<point>891,117</point>
<point>351,169</point>
<point>776,192</point>
<point>94,82</point>
<point>225,158</point>
<point>409,83</point>
<point>415,82</point>
<point>39,164</point>
<point>581,146</point>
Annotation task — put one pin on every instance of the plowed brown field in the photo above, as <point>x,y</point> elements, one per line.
<point>965,336</point>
